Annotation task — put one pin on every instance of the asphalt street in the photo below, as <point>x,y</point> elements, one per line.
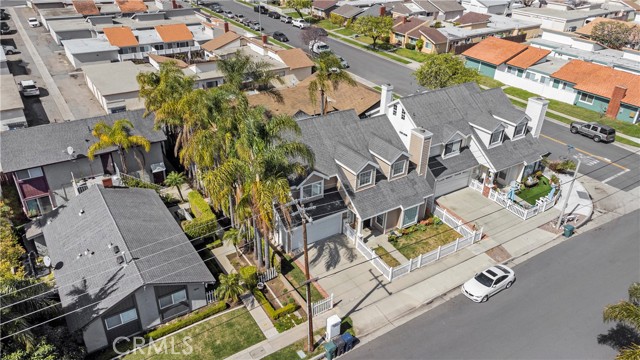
<point>553,311</point>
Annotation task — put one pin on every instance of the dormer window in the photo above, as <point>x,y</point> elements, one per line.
<point>496,137</point>
<point>520,129</point>
<point>452,147</point>
<point>311,190</point>
<point>397,168</point>
<point>365,178</point>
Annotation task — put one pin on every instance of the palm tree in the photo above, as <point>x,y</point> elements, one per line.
<point>238,236</point>
<point>626,312</point>
<point>329,71</point>
<point>229,287</point>
<point>176,179</point>
<point>118,135</point>
<point>241,71</point>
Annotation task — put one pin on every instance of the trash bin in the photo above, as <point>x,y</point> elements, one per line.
<point>340,345</point>
<point>349,341</point>
<point>568,230</point>
<point>330,350</point>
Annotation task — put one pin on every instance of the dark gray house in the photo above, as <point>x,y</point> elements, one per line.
<point>122,264</point>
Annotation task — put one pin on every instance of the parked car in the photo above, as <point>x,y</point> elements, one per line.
<point>33,22</point>
<point>317,47</point>
<point>594,130</point>
<point>274,15</point>
<point>300,23</point>
<point>29,88</point>
<point>217,9</point>
<point>280,36</point>
<point>4,15</point>
<point>286,19</point>
<point>343,62</point>
<point>4,28</point>
<point>485,284</point>
<point>260,8</point>
<point>8,49</point>
<point>256,27</point>
<point>240,17</point>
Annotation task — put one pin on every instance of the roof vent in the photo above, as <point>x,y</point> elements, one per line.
<point>81,212</point>
<point>79,256</point>
<point>120,260</point>
<point>116,249</point>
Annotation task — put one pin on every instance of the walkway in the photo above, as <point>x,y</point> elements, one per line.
<point>373,239</point>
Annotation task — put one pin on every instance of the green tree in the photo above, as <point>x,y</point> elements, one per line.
<point>626,312</point>
<point>373,26</point>
<point>118,135</point>
<point>10,252</point>
<point>238,236</point>
<point>612,34</point>
<point>241,72</point>
<point>442,70</point>
<point>229,287</point>
<point>176,179</point>
<point>298,4</point>
<point>329,72</point>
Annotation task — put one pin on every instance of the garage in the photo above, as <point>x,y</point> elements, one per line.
<point>317,230</point>
<point>451,183</point>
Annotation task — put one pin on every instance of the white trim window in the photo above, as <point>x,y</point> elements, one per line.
<point>395,109</point>
<point>398,167</point>
<point>29,173</point>
<point>452,147</point>
<point>410,216</point>
<point>172,299</point>
<point>402,114</point>
<point>586,98</point>
<point>496,137</point>
<point>520,129</point>
<point>365,178</point>
<point>380,220</point>
<point>312,190</point>
<point>121,319</point>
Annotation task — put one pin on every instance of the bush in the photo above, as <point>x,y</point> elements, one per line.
<point>336,19</point>
<point>437,221</point>
<point>133,182</point>
<point>437,25</point>
<point>288,322</point>
<point>249,275</point>
<point>192,318</point>
<point>214,244</point>
<point>199,205</point>
<point>200,227</point>
<point>410,46</point>
<point>266,305</point>
<point>419,44</point>
<point>392,238</point>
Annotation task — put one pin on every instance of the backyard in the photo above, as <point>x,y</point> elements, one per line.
<point>531,194</point>
<point>419,242</point>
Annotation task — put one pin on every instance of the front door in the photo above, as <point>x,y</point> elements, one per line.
<point>158,177</point>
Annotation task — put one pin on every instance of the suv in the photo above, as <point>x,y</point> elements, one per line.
<point>260,8</point>
<point>33,22</point>
<point>4,28</point>
<point>300,23</point>
<point>595,131</point>
<point>286,19</point>
<point>29,88</point>
<point>8,49</point>
<point>274,15</point>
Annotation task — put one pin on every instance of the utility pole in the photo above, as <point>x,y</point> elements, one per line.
<point>566,199</point>
<point>304,217</point>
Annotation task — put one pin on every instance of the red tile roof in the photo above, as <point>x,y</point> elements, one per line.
<point>174,33</point>
<point>528,57</point>
<point>120,36</point>
<point>86,7</point>
<point>495,51</point>
<point>131,6</point>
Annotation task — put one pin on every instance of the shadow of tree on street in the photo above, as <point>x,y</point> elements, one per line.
<point>619,337</point>
<point>332,251</point>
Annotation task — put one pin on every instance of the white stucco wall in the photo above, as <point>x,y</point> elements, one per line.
<point>94,336</point>
<point>403,127</point>
<point>546,90</point>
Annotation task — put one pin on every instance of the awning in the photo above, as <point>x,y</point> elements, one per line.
<point>158,167</point>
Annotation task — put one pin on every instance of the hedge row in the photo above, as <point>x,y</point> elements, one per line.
<point>214,245</point>
<point>199,205</point>
<point>274,314</point>
<point>187,320</point>
<point>133,182</point>
<point>200,227</point>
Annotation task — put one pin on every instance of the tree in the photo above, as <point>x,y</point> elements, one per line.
<point>312,34</point>
<point>373,26</point>
<point>118,135</point>
<point>297,5</point>
<point>238,236</point>
<point>241,71</point>
<point>442,70</point>
<point>10,252</point>
<point>176,179</point>
<point>328,72</point>
<point>612,34</point>
<point>628,313</point>
<point>229,287</point>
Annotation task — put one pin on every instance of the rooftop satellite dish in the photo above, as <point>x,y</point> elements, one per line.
<point>70,150</point>
<point>47,261</point>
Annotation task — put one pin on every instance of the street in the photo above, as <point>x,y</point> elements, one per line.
<point>553,311</point>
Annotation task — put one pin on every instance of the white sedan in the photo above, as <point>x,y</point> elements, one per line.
<point>33,22</point>
<point>488,282</point>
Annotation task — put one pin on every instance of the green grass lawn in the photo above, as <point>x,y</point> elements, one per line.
<point>293,14</point>
<point>366,47</point>
<point>386,257</point>
<point>327,25</point>
<point>412,54</point>
<point>489,82</point>
<point>346,32</point>
<point>217,338</point>
<point>421,242</point>
<point>296,277</point>
<point>533,193</point>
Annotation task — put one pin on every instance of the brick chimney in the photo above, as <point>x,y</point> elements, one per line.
<point>404,19</point>
<point>174,4</point>
<point>226,27</point>
<point>264,39</point>
<point>614,104</point>
<point>536,111</point>
<point>419,148</point>
<point>107,182</point>
<point>383,11</point>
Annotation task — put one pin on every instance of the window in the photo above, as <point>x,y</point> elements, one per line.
<point>607,131</point>
<point>586,98</point>
<point>556,83</point>
<point>519,73</point>
<point>452,147</point>
<point>172,299</point>
<point>395,109</point>
<point>410,216</point>
<point>543,79</point>
<point>496,137</point>
<point>520,129</point>
<point>397,168</point>
<point>39,206</point>
<point>312,190</point>
<point>121,319</point>
<point>380,220</point>
<point>531,76</point>
<point>402,114</point>
<point>511,70</point>
<point>428,45</point>
<point>29,173</point>
<point>365,178</point>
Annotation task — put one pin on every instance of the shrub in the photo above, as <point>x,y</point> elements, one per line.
<point>410,46</point>
<point>336,19</point>
<point>392,238</point>
<point>192,318</point>
<point>538,174</point>
<point>437,25</point>
<point>214,244</point>
<point>130,181</point>
<point>200,227</point>
<point>419,44</point>
<point>437,221</point>
<point>273,314</point>
<point>199,205</point>
<point>288,322</point>
<point>249,275</point>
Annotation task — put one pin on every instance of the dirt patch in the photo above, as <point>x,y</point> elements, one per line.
<point>499,254</point>
<point>236,261</point>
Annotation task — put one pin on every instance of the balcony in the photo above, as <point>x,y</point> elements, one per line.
<point>83,184</point>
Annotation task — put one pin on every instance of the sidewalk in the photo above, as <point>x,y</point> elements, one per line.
<point>579,201</point>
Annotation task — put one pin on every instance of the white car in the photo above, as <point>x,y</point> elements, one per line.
<point>300,23</point>
<point>33,22</point>
<point>8,49</point>
<point>488,282</point>
<point>29,88</point>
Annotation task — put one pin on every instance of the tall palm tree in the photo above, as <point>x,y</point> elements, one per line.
<point>627,312</point>
<point>242,72</point>
<point>229,287</point>
<point>118,135</point>
<point>176,179</point>
<point>238,236</point>
<point>329,71</point>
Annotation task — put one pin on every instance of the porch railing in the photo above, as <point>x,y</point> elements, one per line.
<point>268,275</point>
<point>349,231</point>
<point>211,297</point>
<point>542,204</point>
<point>475,185</point>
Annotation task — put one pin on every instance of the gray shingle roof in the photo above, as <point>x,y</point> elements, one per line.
<point>347,11</point>
<point>384,149</point>
<point>512,152</point>
<point>138,223</point>
<point>447,5</point>
<point>350,158</point>
<point>444,167</point>
<point>18,151</point>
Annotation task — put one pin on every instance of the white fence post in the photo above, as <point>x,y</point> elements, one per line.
<point>439,248</point>
<point>455,248</point>
<point>420,261</point>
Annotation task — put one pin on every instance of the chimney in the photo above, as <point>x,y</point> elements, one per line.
<point>419,148</point>
<point>614,104</point>
<point>264,39</point>
<point>404,19</point>
<point>536,111</point>
<point>383,11</point>
<point>226,27</point>
<point>386,95</point>
<point>174,4</point>
<point>107,182</point>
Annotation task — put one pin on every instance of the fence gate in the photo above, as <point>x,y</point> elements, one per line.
<point>321,306</point>
<point>211,297</point>
<point>268,275</point>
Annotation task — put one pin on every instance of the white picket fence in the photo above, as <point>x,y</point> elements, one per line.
<point>349,231</point>
<point>321,306</point>
<point>211,297</point>
<point>542,204</point>
<point>268,275</point>
<point>476,185</point>
<point>374,259</point>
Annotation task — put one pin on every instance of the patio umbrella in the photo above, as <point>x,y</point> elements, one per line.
<point>552,192</point>
<point>512,191</point>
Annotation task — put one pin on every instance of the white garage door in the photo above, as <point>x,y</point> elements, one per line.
<point>318,230</point>
<point>452,183</point>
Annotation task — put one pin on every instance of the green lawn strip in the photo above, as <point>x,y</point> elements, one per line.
<point>534,193</point>
<point>386,257</point>
<point>235,23</point>
<point>246,3</point>
<point>217,338</point>
<point>421,242</point>
<point>412,54</point>
<point>296,277</point>
<point>293,14</point>
<point>345,32</point>
<point>327,25</point>
<point>489,82</point>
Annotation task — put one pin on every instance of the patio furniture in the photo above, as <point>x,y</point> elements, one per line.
<point>531,182</point>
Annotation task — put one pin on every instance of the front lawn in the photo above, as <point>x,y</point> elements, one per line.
<point>423,241</point>
<point>489,82</point>
<point>296,277</point>
<point>346,32</point>
<point>533,193</point>
<point>327,25</point>
<point>412,54</point>
<point>217,338</point>
<point>386,257</point>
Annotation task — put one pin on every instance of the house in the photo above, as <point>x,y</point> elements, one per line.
<point>474,134</point>
<point>122,264</point>
<point>375,11</point>
<point>404,26</point>
<point>571,20</point>
<point>473,20</point>
<point>363,177</point>
<point>434,42</point>
<point>585,31</point>
<point>11,106</point>
<point>347,12</point>
<point>295,100</point>
<point>115,86</point>
<point>442,10</point>
<point>496,7</point>
<point>58,169</point>
<point>322,8</point>
<point>586,84</point>
<point>448,10</point>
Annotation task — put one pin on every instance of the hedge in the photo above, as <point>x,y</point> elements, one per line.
<point>200,227</point>
<point>199,205</point>
<point>214,245</point>
<point>249,275</point>
<point>274,314</point>
<point>187,320</point>
<point>133,182</point>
